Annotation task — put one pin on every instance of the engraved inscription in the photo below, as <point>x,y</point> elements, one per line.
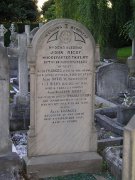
<point>64,77</point>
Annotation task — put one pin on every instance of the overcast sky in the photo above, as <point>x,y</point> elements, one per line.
<point>40,3</point>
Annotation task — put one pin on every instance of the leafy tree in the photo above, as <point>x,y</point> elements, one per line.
<point>59,9</point>
<point>103,21</point>
<point>18,10</point>
<point>67,9</point>
<point>49,10</point>
<point>121,13</point>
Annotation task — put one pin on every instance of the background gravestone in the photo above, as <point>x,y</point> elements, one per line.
<point>111,80</point>
<point>23,66</point>
<point>5,144</point>
<point>62,136</point>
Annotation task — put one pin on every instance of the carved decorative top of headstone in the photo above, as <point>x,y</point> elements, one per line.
<point>3,30</point>
<point>13,42</point>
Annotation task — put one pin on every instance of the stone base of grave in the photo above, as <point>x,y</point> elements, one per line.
<point>59,165</point>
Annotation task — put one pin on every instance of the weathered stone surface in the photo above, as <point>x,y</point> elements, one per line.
<point>13,66</point>
<point>111,80</point>
<point>4,102</point>
<point>33,32</point>
<point>27,31</point>
<point>131,85</point>
<point>128,171</point>
<point>97,56</point>
<point>46,166</point>
<point>124,114</point>
<point>112,155</point>
<point>10,167</point>
<point>22,65</point>
<point>19,116</point>
<point>104,102</point>
<point>109,124</point>
<point>115,141</point>
<point>61,62</point>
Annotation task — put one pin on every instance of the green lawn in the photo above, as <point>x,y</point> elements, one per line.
<point>124,53</point>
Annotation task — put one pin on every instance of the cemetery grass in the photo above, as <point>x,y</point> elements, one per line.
<point>123,54</point>
<point>82,176</point>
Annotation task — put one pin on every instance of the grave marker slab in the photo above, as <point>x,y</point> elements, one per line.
<point>22,65</point>
<point>111,80</point>
<point>62,136</point>
<point>5,144</point>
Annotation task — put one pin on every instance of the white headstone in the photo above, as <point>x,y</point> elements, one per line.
<point>22,65</point>
<point>27,31</point>
<point>62,98</point>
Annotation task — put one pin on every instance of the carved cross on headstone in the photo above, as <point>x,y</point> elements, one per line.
<point>12,28</point>
<point>13,35</point>
<point>3,30</point>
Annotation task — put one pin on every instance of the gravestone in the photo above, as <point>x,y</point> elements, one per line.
<point>128,170</point>
<point>62,137</point>
<point>33,32</point>
<point>10,163</point>
<point>23,66</point>
<point>5,144</point>
<point>111,80</point>
<point>13,52</point>
<point>27,31</point>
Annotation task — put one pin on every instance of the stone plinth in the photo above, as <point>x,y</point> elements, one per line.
<point>59,165</point>
<point>62,132</point>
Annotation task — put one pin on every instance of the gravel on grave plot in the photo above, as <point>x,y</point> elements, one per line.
<point>19,139</point>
